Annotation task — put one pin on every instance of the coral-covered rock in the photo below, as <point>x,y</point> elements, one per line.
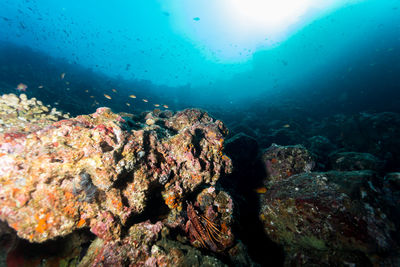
<point>354,161</point>
<point>145,245</point>
<point>20,114</point>
<point>281,162</point>
<point>96,171</point>
<point>328,219</point>
<point>210,219</point>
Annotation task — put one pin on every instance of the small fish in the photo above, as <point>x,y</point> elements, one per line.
<point>165,106</point>
<point>132,96</point>
<point>114,90</point>
<point>128,104</point>
<point>196,19</point>
<point>261,190</point>
<point>21,87</point>
<point>156,105</point>
<point>62,75</point>
<point>107,96</point>
<point>86,91</point>
<point>67,83</point>
<point>40,86</point>
<point>92,96</point>
<point>286,126</point>
<point>145,100</point>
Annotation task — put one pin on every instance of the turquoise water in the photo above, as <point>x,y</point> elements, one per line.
<point>205,52</point>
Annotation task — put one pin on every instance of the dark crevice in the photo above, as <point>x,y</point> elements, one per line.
<point>197,137</point>
<point>155,210</point>
<point>55,248</point>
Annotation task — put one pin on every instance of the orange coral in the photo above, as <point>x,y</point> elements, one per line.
<point>42,223</point>
<point>81,223</point>
<point>172,202</point>
<point>70,209</point>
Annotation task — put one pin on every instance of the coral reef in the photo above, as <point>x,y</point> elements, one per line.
<point>102,171</point>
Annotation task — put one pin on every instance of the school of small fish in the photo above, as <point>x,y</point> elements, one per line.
<point>22,87</point>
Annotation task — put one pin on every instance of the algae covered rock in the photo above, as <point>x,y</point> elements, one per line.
<point>326,219</point>
<point>281,162</point>
<point>98,170</point>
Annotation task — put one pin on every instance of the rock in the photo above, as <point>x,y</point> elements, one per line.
<point>353,161</point>
<point>241,128</point>
<point>281,162</point>
<point>375,133</point>
<point>96,171</point>
<point>24,115</point>
<point>209,220</point>
<point>321,147</point>
<point>328,219</point>
<point>141,248</point>
<point>391,189</point>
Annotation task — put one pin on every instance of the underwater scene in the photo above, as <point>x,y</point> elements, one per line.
<point>199,133</point>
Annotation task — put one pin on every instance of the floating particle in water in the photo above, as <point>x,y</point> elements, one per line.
<point>87,91</point>
<point>132,96</point>
<point>114,90</point>
<point>128,104</point>
<point>107,96</point>
<point>145,100</point>
<point>21,87</point>
<point>62,75</point>
<point>286,126</point>
<point>67,83</point>
<point>92,96</point>
<point>40,86</point>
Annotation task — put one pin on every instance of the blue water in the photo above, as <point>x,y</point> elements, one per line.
<point>201,54</point>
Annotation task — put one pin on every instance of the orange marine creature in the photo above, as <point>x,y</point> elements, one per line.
<point>202,230</point>
<point>261,190</point>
